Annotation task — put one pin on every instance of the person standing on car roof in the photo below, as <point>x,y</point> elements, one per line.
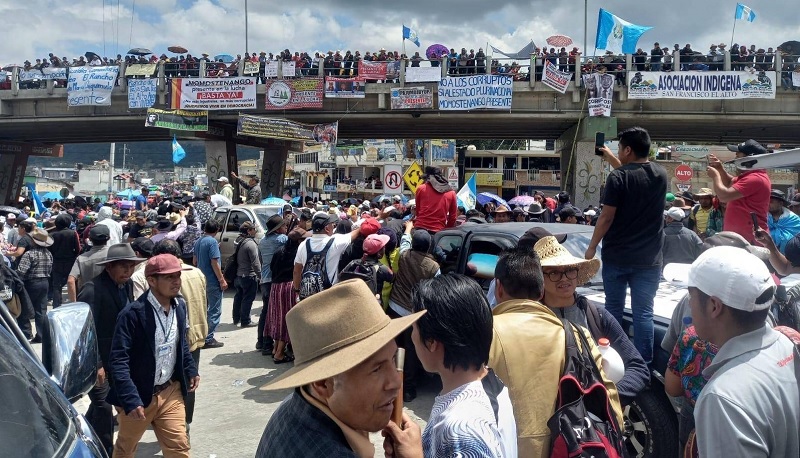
<point>436,202</point>
<point>748,192</point>
<point>631,227</point>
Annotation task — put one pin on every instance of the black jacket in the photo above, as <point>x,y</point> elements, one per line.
<point>102,296</point>
<point>65,249</point>
<point>132,360</point>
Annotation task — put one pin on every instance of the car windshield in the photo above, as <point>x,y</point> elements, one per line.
<point>263,213</point>
<point>33,422</point>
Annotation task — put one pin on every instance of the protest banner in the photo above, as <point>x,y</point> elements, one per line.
<point>294,94</point>
<point>372,70</point>
<point>600,93</point>
<point>393,70</point>
<point>382,150</point>
<point>140,70</point>
<point>47,73</point>
<point>411,98</point>
<point>213,93</point>
<point>288,69</point>
<point>177,119</point>
<point>142,93</point>
<point>423,74</point>
<point>492,92</point>
<point>251,68</point>
<point>701,85</point>
<point>796,78</point>
<point>443,150</point>
<point>345,88</point>
<point>91,86</point>
<point>555,78</point>
<point>284,129</point>
<point>271,69</point>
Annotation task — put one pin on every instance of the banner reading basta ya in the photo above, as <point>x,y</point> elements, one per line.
<point>213,93</point>
<point>600,92</point>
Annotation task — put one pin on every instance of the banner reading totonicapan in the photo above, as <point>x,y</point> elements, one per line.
<point>294,94</point>
<point>213,93</point>
<point>701,85</point>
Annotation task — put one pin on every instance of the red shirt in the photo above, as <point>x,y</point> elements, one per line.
<point>435,211</point>
<point>754,186</point>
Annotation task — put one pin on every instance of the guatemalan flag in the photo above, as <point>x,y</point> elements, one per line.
<point>744,12</point>
<point>178,152</point>
<point>468,194</point>
<point>617,35</point>
<point>410,35</point>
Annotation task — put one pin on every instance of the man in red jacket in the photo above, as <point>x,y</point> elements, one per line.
<point>436,202</point>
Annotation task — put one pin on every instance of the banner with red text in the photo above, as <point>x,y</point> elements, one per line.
<point>294,94</point>
<point>600,93</point>
<point>372,70</point>
<point>213,93</point>
<point>555,78</point>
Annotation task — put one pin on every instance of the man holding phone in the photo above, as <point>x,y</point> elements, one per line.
<point>632,230</point>
<point>747,192</point>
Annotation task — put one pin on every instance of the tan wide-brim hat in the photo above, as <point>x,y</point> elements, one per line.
<point>335,330</point>
<point>41,237</point>
<point>553,254</point>
<point>704,192</point>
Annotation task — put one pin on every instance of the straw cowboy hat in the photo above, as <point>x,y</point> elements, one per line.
<point>335,330</point>
<point>553,254</point>
<point>41,237</point>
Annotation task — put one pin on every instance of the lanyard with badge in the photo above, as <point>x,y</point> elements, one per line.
<point>164,349</point>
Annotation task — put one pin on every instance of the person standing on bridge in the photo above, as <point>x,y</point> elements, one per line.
<point>631,227</point>
<point>253,189</point>
<point>436,202</point>
<point>748,192</point>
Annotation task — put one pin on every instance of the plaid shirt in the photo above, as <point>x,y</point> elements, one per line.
<point>36,262</point>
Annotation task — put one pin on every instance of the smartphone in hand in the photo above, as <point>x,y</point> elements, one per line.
<point>755,221</point>
<point>599,142</point>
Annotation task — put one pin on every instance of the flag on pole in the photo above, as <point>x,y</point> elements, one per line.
<point>38,206</point>
<point>410,35</point>
<point>617,35</point>
<point>468,194</point>
<point>178,152</point>
<point>745,13</point>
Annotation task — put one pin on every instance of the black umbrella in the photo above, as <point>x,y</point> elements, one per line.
<point>140,52</point>
<point>6,209</point>
<point>91,55</point>
<point>791,48</point>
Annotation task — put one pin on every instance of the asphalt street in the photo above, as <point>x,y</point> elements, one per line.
<point>231,411</point>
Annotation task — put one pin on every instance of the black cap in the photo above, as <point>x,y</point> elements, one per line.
<point>780,195</point>
<point>321,220</point>
<point>99,233</point>
<point>749,148</point>
<point>143,245</point>
<point>534,234</point>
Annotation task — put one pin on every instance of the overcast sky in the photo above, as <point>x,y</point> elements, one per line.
<point>33,28</point>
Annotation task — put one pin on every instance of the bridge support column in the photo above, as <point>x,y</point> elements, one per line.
<point>273,168</point>
<point>582,173</point>
<point>220,161</point>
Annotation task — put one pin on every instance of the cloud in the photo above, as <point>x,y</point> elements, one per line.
<point>217,26</point>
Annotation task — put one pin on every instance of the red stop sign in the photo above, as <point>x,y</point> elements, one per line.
<point>683,172</point>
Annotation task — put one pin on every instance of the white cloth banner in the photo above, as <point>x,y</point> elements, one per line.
<point>91,86</point>
<point>555,78</point>
<point>701,85</point>
<point>288,69</point>
<point>600,92</point>
<point>142,93</point>
<point>47,73</point>
<point>271,69</point>
<point>213,93</point>
<point>796,79</point>
<point>423,74</point>
<point>492,92</point>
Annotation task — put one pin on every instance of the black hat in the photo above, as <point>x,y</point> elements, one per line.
<point>164,225</point>
<point>143,245</point>
<point>534,234</point>
<point>120,252</point>
<point>99,233</point>
<point>321,220</point>
<point>749,148</point>
<point>688,197</point>
<point>780,195</point>
<point>274,223</point>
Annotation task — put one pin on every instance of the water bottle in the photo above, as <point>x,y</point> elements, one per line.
<point>613,366</point>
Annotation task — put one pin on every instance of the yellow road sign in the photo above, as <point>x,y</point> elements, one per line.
<point>413,177</point>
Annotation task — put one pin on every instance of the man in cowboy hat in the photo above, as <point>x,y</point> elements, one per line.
<point>783,224</point>
<point>747,192</point>
<point>171,227</point>
<point>501,214</point>
<point>273,240</point>
<point>436,203</point>
<point>152,370</point>
<point>35,267</point>
<point>704,219</point>
<point>107,294</point>
<point>344,376</point>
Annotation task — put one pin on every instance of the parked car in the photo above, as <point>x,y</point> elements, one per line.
<point>231,217</point>
<point>651,424</point>
<point>37,418</point>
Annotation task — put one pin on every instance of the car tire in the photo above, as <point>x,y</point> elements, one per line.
<point>651,426</point>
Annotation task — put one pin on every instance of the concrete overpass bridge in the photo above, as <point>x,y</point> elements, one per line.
<point>38,118</point>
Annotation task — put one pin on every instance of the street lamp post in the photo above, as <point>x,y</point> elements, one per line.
<point>585,25</point>
<point>246,47</point>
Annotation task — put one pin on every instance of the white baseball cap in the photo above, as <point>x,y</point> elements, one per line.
<point>675,213</point>
<point>732,275</point>
<point>225,179</point>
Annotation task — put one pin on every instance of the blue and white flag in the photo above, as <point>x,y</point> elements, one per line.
<point>468,194</point>
<point>177,150</point>
<point>617,35</point>
<point>744,12</point>
<point>410,35</point>
<point>38,206</point>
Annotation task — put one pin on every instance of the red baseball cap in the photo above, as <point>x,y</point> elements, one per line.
<point>374,243</point>
<point>162,264</point>
<point>370,226</point>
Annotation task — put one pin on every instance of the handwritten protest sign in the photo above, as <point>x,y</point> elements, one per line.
<point>142,93</point>
<point>492,92</point>
<point>140,70</point>
<point>91,86</point>
<point>251,68</point>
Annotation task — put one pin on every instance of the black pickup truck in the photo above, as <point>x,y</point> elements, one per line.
<point>651,425</point>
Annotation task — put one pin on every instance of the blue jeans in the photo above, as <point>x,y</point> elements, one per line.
<point>655,66</point>
<point>246,288</point>
<point>214,298</point>
<point>643,282</point>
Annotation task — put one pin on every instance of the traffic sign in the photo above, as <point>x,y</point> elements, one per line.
<point>683,187</point>
<point>392,179</point>
<point>413,177</point>
<point>684,173</point>
<point>452,177</point>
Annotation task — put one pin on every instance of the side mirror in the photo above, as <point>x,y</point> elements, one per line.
<point>69,349</point>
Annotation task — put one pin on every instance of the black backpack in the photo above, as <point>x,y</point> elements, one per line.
<point>232,265</point>
<point>361,269</point>
<point>786,308</point>
<point>583,424</point>
<point>315,271</point>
